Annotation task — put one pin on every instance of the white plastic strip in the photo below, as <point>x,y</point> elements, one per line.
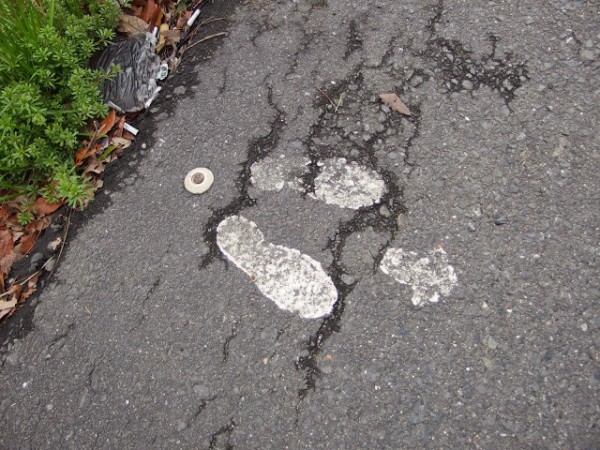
<point>192,19</point>
<point>131,129</point>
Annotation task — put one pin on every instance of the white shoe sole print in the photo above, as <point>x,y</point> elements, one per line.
<point>340,182</point>
<point>428,276</point>
<point>293,281</point>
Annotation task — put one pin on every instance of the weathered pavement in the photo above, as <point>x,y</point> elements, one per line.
<point>149,337</point>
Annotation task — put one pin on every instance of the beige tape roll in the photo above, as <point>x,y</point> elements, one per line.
<point>199,180</point>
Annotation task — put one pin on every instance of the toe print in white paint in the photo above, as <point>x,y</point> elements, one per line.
<point>429,276</point>
<point>293,281</point>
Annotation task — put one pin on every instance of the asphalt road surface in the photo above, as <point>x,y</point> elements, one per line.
<point>356,278</point>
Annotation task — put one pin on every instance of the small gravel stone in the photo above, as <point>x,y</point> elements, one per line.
<point>467,84</point>
<point>501,220</point>
<point>487,362</point>
<point>201,390</point>
<point>348,279</point>
<point>384,211</point>
<point>471,226</point>
<point>491,343</point>
<point>401,220</point>
<point>179,90</point>
<point>297,145</point>
<point>587,55</point>
<point>50,265</point>
<point>505,111</point>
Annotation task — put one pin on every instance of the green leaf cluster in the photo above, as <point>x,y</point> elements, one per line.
<point>48,92</point>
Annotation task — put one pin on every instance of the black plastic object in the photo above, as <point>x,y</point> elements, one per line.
<point>135,84</point>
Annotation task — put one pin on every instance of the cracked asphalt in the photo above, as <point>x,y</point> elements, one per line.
<point>148,337</point>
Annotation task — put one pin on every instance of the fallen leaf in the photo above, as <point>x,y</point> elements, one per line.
<point>6,243</point>
<point>393,101</point>
<point>16,235</point>
<point>86,151</point>
<point>38,225</point>
<point>7,262</point>
<point>5,213</point>
<point>31,288</point>
<point>6,306</point>
<point>26,244</point>
<point>121,142</point>
<point>172,36</point>
<point>94,166</point>
<point>118,131</point>
<point>43,208</point>
<point>132,25</point>
<point>150,12</point>
<point>108,122</point>
<point>161,37</point>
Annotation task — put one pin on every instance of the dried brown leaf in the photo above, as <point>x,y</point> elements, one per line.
<point>26,244</point>
<point>43,208</point>
<point>38,225</point>
<point>5,213</point>
<point>7,262</point>
<point>6,306</point>
<point>392,101</point>
<point>132,25</point>
<point>94,166</point>
<point>31,287</point>
<point>121,142</point>
<point>108,122</point>
<point>6,243</point>
<point>172,36</point>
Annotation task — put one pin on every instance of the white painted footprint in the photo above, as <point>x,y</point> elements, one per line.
<point>293,281</point>
<point>428,276</point>
<point>340,182</point>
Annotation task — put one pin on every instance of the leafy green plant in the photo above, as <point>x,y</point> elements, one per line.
<point>48,93</point>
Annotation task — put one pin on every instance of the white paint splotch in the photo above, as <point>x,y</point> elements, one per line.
<point>293,281</point>
<point>429,276</point>
<point>348,184</point>
<point>276,173</point>
<point>343,183</point>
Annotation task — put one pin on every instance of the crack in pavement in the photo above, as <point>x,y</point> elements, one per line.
<point>202,406</point>
<point>142,308</point>
<point>226,431</point>
<point>61,338</point>
<point>354,42</point>
<point>462,72</point>
<point>305,41</point>
<point>371,216</point>
<point>229,338</point>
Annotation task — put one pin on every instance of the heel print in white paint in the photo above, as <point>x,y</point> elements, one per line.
<point>428,276</point>
<point>293,281</point>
